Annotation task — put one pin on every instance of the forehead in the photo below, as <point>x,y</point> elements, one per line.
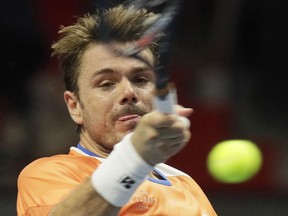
<point>101,55</point>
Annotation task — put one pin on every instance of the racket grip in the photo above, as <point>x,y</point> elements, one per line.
<point>165,102</point>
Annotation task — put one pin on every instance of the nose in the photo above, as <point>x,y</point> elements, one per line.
<point>128,95</point>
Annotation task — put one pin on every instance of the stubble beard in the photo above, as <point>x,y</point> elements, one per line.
<point>107,139</point>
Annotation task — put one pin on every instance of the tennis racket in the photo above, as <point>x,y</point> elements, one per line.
<point>165,94</point>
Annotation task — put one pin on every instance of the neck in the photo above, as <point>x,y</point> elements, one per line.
<point>93,147</point>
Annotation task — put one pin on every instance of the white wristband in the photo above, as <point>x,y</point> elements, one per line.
<point>117,178</point>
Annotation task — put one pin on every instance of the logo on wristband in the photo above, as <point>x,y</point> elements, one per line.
<point>128,182</point>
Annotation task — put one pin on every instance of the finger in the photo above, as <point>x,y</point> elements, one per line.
<point>171,136</point>
<point>173,148</point>
<point>158,120</point>
<point>182,111</point>
<point>176,145</point>
<point>168,140</point>
<point>185,121</point>
<point>177,129</point>
<point>168,134</point>
<point>172,142</point>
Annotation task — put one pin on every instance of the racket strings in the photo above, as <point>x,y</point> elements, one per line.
<point>160,30</point>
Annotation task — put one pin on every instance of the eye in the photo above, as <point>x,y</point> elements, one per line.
<point>141,79</point>
<point>106,84</point>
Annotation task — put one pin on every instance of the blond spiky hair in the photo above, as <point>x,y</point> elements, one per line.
<point>123,24</point>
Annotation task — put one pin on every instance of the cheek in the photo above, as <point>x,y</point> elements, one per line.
<point>95,121</point>
<point>149,104</point>
<point>96,110</point>
<point>148,99</point>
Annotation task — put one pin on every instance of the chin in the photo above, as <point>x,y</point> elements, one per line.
<point>127,128</point>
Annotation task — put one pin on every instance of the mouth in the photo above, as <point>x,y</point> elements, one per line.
<point>128,122</point>
<point>131,117</point>
<point>128,117</point>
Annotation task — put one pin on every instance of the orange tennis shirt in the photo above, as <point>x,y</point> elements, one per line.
<point>44,183</point>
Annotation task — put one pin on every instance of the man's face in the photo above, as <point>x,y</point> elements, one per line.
<point>114,92</point>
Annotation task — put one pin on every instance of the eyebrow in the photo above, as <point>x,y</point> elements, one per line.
<point>102,71</point>
<point>141,69</point>
<point>137,69</point>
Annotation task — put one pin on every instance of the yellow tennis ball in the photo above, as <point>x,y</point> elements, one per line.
<point>234,161</point>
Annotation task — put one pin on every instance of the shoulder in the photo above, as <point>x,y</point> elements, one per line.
<point>45,181</point>
<point>65,165</point>
<point>46,164</point>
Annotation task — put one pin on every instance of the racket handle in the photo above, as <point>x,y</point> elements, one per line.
<point>165,102</point>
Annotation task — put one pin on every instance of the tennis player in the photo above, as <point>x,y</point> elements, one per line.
<point>118,166</point>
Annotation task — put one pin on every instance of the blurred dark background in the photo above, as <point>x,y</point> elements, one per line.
<point>229,62</point>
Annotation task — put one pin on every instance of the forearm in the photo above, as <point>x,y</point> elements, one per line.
<point>84,200</point>
<point>155,140</point>
<point>111,185</point>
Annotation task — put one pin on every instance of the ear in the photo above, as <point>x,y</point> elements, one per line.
<point>74,107</point>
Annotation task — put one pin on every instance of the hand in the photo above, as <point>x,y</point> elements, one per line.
<point>159,136</point>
